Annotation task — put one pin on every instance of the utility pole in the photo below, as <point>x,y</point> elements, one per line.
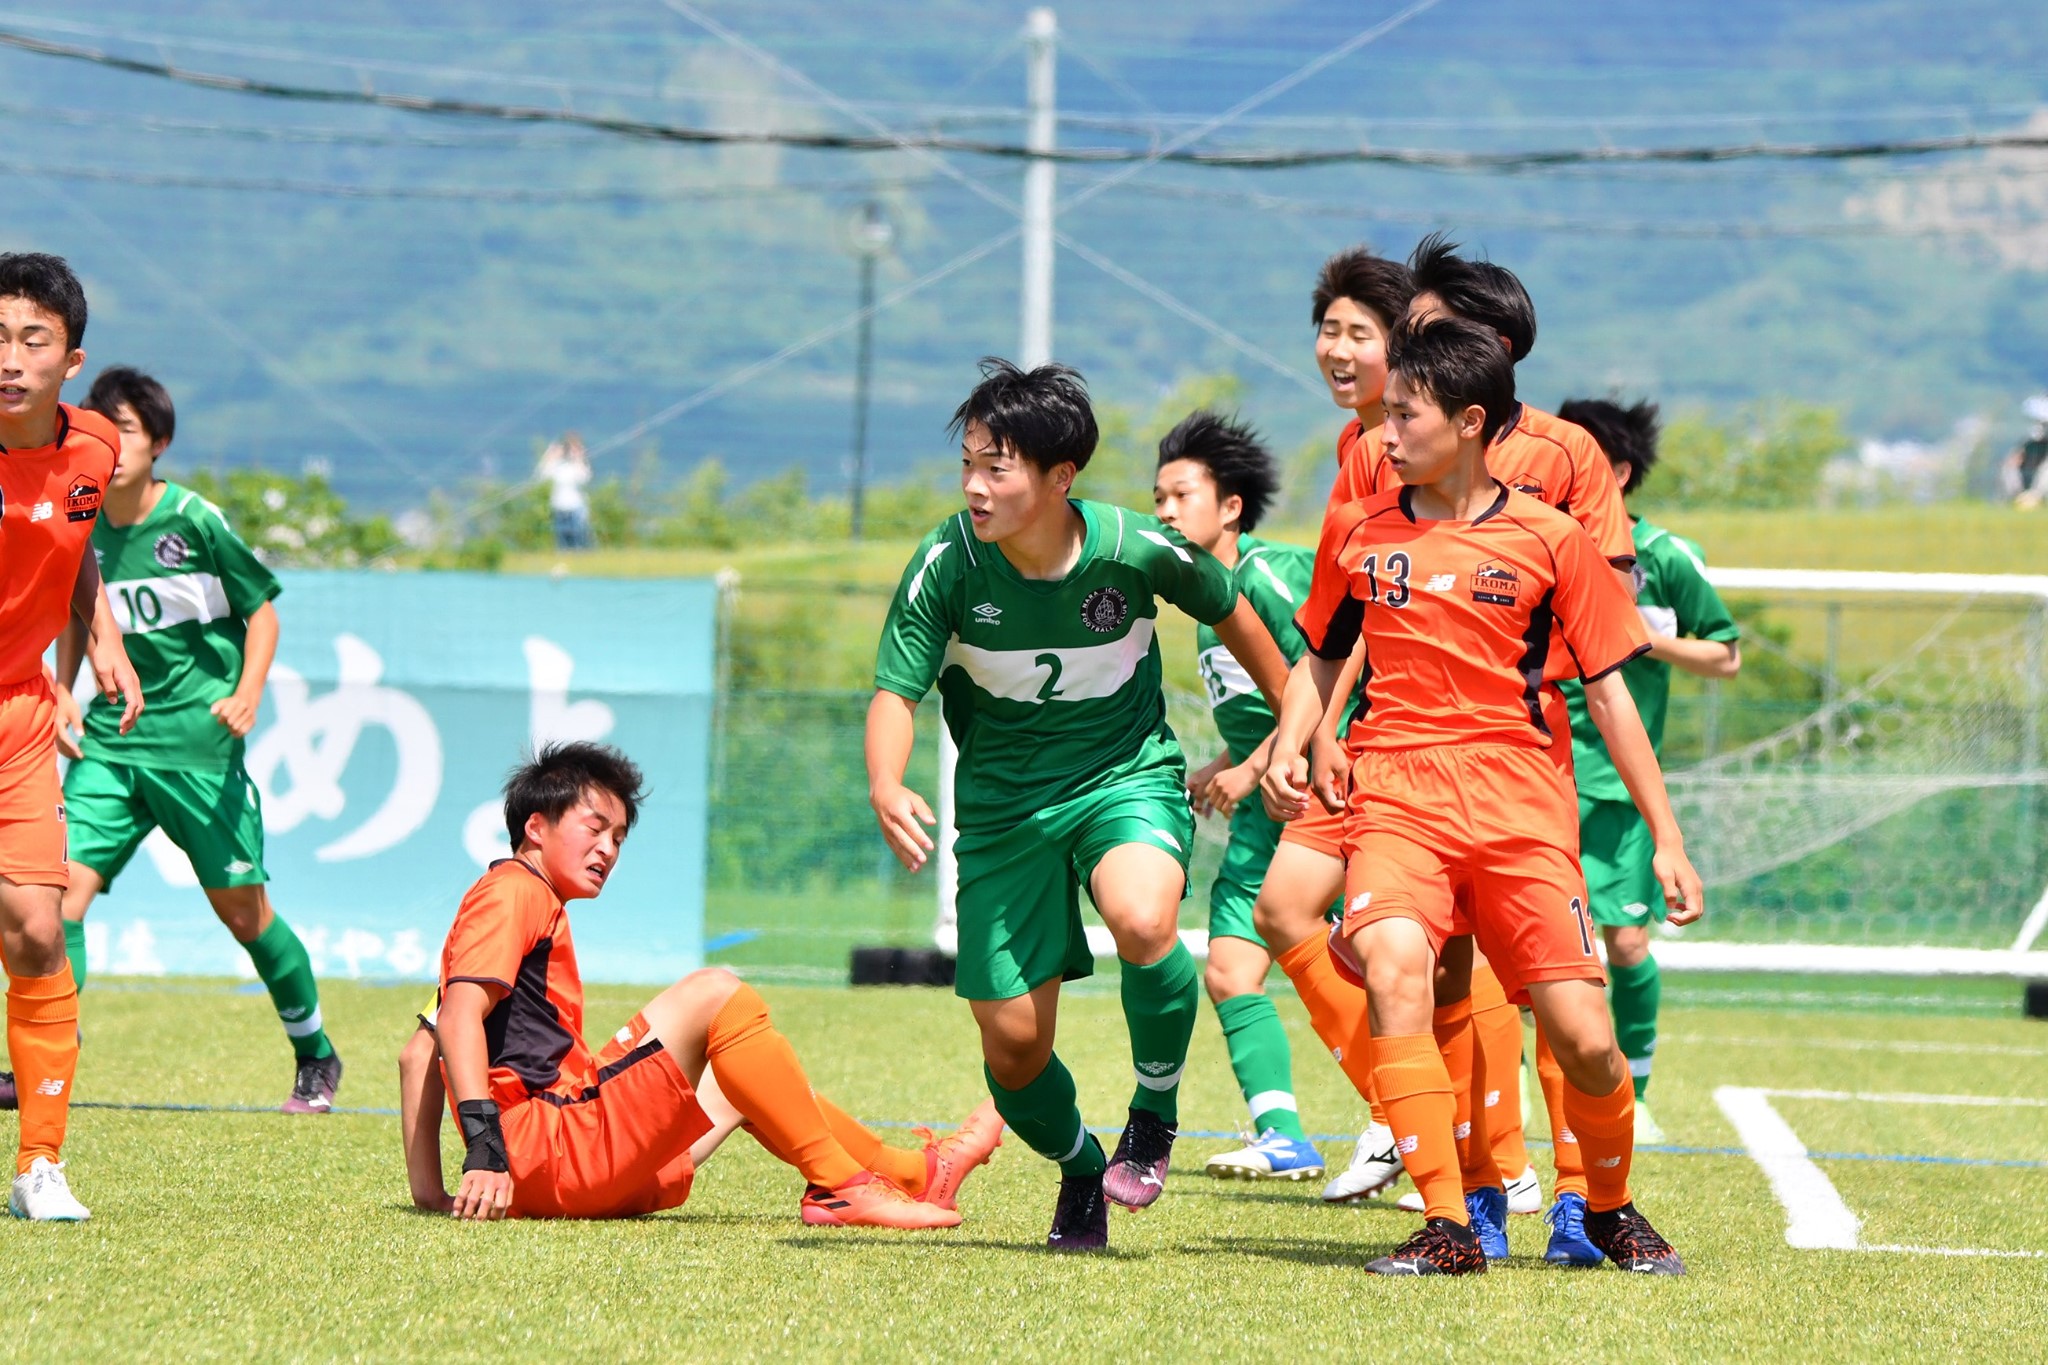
<point>1034,348</point>
<point>871,233</point>
<point>1041,37</point>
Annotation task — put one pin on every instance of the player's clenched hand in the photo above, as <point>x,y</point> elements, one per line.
<point>483,1196</point>
<point>1685,900</point>
<point>69,723</point>
<point>116,679</point>
<point>1229,787</point>
<point>1199,780</point>
<point>1284,788</point>
<point>903,816</point>
<point>1328,772</point>
<point>237,713</point>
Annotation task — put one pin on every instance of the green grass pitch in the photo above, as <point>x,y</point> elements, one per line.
<point>238,1234</point>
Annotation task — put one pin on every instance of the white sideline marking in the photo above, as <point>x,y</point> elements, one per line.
<point>1861,1045</point>
<point>1902,960</point>
<point>1817,1219</point>
<point>2037,920</point>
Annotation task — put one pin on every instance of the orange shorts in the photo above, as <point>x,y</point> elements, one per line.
<point>1318,829</point>
<point>616,1148</point>
<point>31,795</point>
<point>1487,830</point>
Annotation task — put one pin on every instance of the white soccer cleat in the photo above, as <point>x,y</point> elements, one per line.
<point>1648,1134</point>
<point>1410,1202</point>
<point>1374,1167</point>
<point>42,1195</point>
<point>1525,1193</point>
<point>1272,1156</point>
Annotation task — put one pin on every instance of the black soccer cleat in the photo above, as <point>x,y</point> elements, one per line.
<point>8,1098</point>
<point>1631,1243</point>
<point>1080,1221</point>
<point>1439,1247</point>
<point>1137,1173</point>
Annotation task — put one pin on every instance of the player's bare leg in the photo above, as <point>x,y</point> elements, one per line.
<point>42,1038</point>
<point>1137,888</point>
<point>1599,1105</point>
<point>1300,885</point>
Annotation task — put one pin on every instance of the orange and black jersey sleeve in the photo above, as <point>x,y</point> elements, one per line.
<point>1331,619</point>
<point>1361,460</point>
<point>1559,462</point>
<point>1597,622</point>
<point>506,914</point>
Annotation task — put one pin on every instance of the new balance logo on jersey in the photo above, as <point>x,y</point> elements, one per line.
<point>1497,584</point>
<point>1606,1162</point>
<point>1407,1144</point>
<point>1360,901</point>
<point>42,511</point>
<point>988,614</point>
<point>1440,582</point>
<point>51,1086</point>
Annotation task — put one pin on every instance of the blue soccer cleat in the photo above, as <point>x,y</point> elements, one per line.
<point>1569,1245</point>
<point>1488,1210</point>
<point>1271,1156</point>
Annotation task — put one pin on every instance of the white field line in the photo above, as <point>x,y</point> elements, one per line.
<point>1817,1219</point>
<point>1862,1045</point>
<point>2037,920</point>
<point>1816,1216</point>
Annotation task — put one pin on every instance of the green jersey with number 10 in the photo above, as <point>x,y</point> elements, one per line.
<point>182,585</point>
<point>1050,688</point>
<point>1274,578</point>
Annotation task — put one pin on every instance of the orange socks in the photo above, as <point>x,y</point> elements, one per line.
<point>758,1071</point>
<point>42,1038</point>
<point>1451,1026</point>
<point>905,1170</point>
<point>1497,1033</point>
<point>1606,1128</point>
<point>1416,1090</point>
<point>1336,1010</point>
<point>1564,1144</point>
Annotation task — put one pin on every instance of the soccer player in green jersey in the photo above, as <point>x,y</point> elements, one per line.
<point>1033,613</point>
<point>1689,628</point>
<point>1214,483</point>
<point>195,606</point>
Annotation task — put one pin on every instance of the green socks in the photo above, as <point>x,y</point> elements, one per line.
<point>1259,1056</point>
<point>1160,1005</point>
<point>288,974</point>
<point>74,948</point>
<point>1044,1114</point>
<point>1633,993</point>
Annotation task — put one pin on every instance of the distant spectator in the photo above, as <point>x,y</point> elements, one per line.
<point>2024,478</point>
<point>566,467</point>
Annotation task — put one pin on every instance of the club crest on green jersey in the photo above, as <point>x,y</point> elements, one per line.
<point>171,550</point>
<point>1103,610</point>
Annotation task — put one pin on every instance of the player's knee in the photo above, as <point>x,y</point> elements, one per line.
<point>1222,983</point>
<point>1628,945</point>
<point>709,987</point>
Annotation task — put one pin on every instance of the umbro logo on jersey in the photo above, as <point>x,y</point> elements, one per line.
<point>238,867</point>
<point>82,503</point>
<point>1440,582</point>
<point>171,550</point>
<point>1103,610</point>
<point>1498,584</point>
<point>988,613</point>
<point>42,511</point>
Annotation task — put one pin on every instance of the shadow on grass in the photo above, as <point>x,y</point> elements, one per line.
<point>1310,1251</point>
<point>832,1242</point>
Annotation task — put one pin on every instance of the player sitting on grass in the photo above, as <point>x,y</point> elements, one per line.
<point>195,606</point>
<point>1214,483</point>
<point>555,1132</point>
<point>1689,628</point>
<point>55,461</point>
<point>1454,583</point>
<point>1033,613</point>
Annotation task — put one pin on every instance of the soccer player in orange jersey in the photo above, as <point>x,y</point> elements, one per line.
<point>1455,582</point>
<point>55,461</point>
<point>555,1132</point>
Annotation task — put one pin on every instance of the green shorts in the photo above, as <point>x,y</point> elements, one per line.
<point>1616,850</point>
<point>215,817</point>
<point>1020,888</point>
<point>1254,837</point>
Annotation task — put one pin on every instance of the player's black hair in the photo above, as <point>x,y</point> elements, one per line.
<point>554,779</point>
<point>1627,435</point>
<point>1043,415</point>
<point>1237,460</point>
<point>1368,280</point>
<point>150,401</point>
<point>1457,363</point>
<point>47,282</point>
<point>1476,290</point>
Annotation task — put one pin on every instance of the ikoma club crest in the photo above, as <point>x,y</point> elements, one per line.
<point>1496,583</point>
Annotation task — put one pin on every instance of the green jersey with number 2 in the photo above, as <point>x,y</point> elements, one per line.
<point>1051,689</point>
<point>182,585</point>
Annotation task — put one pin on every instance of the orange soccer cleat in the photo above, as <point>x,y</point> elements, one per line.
<point>949,1161</point>
<point>868,1201</point>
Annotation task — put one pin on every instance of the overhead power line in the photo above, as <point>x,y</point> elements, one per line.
<point>1244,159</point>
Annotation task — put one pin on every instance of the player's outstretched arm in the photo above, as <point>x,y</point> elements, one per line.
<point>486,1189</point>
<point>238,709</point>
<point>1289,781</point>
<point>901,812</point>
<point>1244,634</point>
<point>1702,658</point>
<point>1613,711</point>
<point>420,1098</point>
<point>109,657</point>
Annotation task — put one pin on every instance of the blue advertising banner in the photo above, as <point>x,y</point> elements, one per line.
<point>398,703</point>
